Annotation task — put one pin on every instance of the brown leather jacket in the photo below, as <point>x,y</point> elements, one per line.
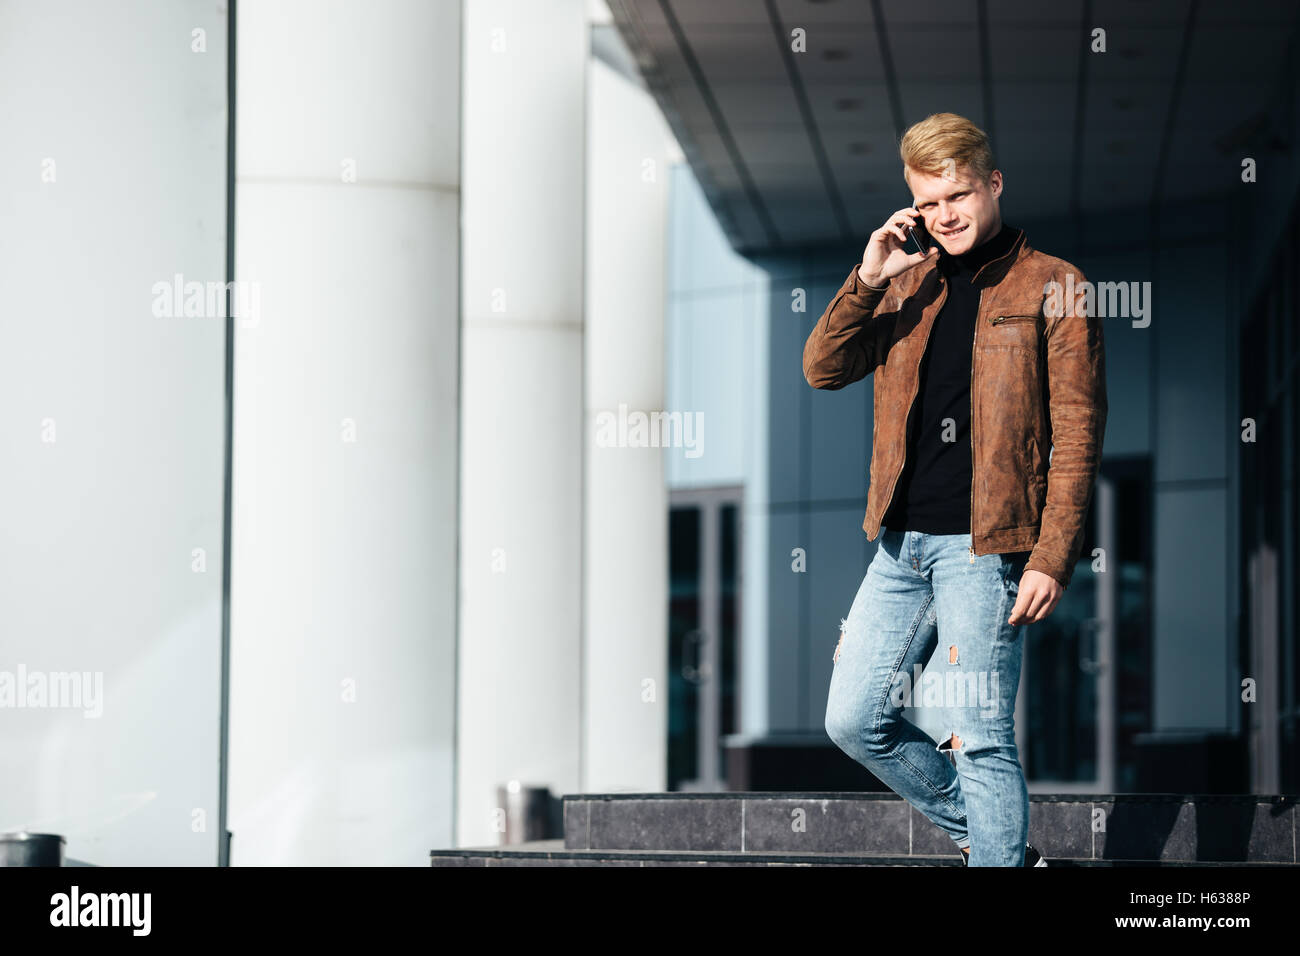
<point>1038,395</point>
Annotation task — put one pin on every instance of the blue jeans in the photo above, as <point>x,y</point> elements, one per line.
<point>922,593</point>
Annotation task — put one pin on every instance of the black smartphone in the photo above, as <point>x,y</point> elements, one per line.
<point>919,235</point>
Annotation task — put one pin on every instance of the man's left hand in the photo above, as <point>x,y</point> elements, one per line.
<point>1039,594</point>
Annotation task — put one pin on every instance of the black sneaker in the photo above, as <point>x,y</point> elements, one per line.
<point>1032,857</point>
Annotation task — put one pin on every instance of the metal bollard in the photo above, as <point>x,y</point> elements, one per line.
<point>529,813</point>
<point>31,849</point>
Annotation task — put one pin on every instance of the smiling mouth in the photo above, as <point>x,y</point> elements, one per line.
<point>955,232</point>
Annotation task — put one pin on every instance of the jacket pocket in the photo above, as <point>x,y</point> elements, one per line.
<point>1019,331</point>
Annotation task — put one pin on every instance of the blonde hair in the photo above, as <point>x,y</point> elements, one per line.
<point>944,140</point>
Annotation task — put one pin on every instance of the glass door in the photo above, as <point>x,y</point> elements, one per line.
<point>1066,669</point>
<point>1085,684</point>
<point>703,633</point>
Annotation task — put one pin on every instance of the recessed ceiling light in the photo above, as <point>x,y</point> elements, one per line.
<point>846,103</point>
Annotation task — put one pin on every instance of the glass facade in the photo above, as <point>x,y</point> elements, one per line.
<point>1270,572</point>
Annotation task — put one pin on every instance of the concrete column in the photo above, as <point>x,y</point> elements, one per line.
<point>518,677</point>
<point>343,591</point>
<point>625,683</point>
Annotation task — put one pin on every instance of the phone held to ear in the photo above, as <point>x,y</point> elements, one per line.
<point>919,236</point>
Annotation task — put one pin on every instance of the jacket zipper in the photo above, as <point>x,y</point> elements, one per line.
<point>1014,253</point>
<point>975,339</point>
<point>898,474</point>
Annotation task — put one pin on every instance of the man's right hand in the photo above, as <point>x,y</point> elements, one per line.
<point>887,253</point>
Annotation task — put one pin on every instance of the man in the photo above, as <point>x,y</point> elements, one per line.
<point>990,404</point>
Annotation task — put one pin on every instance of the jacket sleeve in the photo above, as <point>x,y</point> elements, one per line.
<point>1076,385</point>
<point>847,341</point>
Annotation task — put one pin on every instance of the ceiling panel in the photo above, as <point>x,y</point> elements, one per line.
<point>1022,146</point>
<point>852,106</point>
<point>810,13</point>
<point>922,99</point>
<point>1227,50</point>
<point>696,13</point>
<point>1267,14</point>
<point>942,14</point>
<point>1023,53</point>
<point>1134,12</point>
<point>730,54</point>
<point>838,56</point>
<point>1034,14</point>
<point>1137,53</point>
<point>766,104</point>
<point>836,100</point>
<point>773,142</point>
<point>935,55</point>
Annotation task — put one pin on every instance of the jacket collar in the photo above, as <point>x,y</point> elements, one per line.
<point>992,271</point>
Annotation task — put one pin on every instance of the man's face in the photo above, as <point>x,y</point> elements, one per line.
<point>959,211</point>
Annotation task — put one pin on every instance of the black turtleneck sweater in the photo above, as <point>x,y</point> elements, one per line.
<point>934,491</point>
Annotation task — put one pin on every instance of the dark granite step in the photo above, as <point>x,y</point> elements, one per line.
<point>553,853</point>
<point>1165,828</point>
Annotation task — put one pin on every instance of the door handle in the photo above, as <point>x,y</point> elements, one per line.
<point>1088,630</point>
<point>693,671</point>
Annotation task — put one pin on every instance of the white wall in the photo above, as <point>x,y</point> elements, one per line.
<point>718,342</point>
<point>112,422</point>
<point>716,301</point>
<point>343,589</point>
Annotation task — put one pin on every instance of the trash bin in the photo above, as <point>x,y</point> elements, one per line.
<point>529,811</point>
<point>31,849</point>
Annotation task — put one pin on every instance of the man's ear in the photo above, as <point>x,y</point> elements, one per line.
<point>995,183</point>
